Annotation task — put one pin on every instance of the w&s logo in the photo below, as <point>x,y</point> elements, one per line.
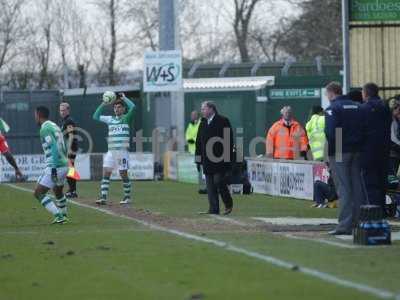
<point>163,74</point>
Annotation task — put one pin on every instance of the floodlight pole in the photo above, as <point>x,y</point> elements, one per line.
<point>346,46</point>
<point>169,40</point>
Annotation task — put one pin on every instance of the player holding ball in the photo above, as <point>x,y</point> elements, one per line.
<point>118,142</point>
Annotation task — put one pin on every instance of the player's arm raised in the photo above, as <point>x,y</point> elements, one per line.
<point>99,110</point>
<point>130,105</point>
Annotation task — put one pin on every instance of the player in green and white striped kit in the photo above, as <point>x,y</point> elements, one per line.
<point>56,169</point>
<point>118,145</point>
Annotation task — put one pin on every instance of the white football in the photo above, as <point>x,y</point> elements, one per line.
<point>109,97</point>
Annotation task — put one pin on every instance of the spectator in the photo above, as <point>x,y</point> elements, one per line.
<point>344,130</point>
<point>356,96</point>
<point>315,132</point>
<point>191,135</point>
<point>375,153</point>
<point>324,192</point>
<point>214,151</point>
<point>286,139</point>
<point>191,131</point>
<point>394,160</point>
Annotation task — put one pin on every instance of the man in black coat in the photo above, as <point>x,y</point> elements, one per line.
<point>345,133</point>
<point>214,151</point>
<point>68,128</point>
<point>375,153</point>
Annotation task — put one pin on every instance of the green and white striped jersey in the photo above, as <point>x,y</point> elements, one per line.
<point>53,145</point>
<point>118,127</point>
<point>118,132</point>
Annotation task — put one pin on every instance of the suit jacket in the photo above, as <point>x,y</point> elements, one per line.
<point>378,121</point>
<point>346,115</point>
<point>223,152</point>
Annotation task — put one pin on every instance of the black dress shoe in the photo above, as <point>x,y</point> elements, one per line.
<point>227,211</point>
<point>339,232</point>
<point>202,191</point>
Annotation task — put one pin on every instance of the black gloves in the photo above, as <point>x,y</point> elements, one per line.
<point>191,141</point>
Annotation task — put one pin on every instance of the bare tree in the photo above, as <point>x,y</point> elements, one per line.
<point>41,41</point>
<point>145,21</point>
<point>100,57</point>
<point>62,26</point>
<point>205,42</point>
<point>243,12</point>
<point>11,29</point>
<point>82,43</point>
<point>316,31</point>
<point>112,10</point>
<point>269,42</point>
<point>113,35</point>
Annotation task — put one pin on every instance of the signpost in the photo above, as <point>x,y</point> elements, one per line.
<point>162,71</point>
<point>346,45</point>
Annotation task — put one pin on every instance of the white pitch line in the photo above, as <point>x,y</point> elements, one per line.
<point>322,241</point>
<point>290,236</point>
<point>381,293</point>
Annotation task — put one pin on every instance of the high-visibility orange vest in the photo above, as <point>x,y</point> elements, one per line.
<point>284,142</point>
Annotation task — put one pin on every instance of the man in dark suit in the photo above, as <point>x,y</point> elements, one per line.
<point>375,153</point>
<point>214,151</point>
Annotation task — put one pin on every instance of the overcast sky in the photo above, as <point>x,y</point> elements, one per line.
<point>217,17</point>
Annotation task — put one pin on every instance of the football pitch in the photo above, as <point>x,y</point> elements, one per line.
<point>161,248</point>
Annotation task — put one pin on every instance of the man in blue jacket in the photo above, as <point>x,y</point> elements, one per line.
<point>344,131</point>
<point>375,152</point>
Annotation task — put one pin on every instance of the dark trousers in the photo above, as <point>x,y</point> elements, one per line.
<point>347,177</point>
<point>322,192</point>
<point>375,179</point>
<point>217,185</point>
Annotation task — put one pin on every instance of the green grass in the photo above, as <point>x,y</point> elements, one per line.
<point>182,200</point>
<point>97,256</point>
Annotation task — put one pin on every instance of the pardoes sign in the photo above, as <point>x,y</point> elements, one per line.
<point>162,71</point>
<point>374,10</point>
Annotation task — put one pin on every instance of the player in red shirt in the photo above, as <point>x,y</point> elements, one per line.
<point>5,150</point>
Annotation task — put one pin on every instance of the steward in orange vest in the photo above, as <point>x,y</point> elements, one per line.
<point>286,139</point>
